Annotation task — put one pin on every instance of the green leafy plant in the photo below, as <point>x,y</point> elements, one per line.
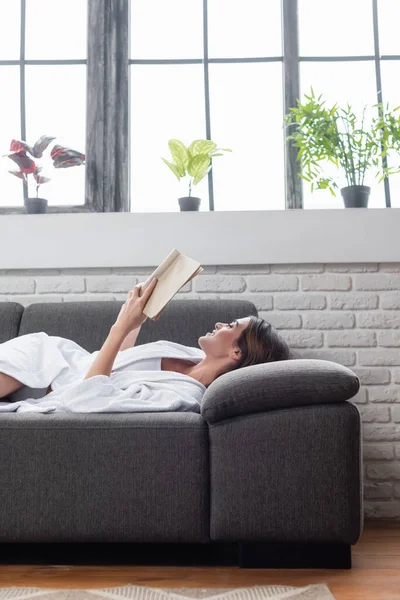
<point>195,160</point>
<point>336,136</point>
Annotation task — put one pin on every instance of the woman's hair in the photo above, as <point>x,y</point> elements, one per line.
<point>260,343</point>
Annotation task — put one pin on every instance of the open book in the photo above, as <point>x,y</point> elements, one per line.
<point>172,274</point>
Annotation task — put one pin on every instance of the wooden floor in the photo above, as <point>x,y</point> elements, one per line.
<point>375,574</point>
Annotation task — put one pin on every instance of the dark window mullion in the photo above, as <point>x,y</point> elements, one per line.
<point>22,83</point>
<point>207,99</point>
<point>379,88</point>
<point>291,92</point>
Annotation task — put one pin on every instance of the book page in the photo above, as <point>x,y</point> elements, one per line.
<point>161,269</point>
<point>171,277</point>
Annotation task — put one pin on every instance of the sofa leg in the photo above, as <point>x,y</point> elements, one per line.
<point>293,555</point>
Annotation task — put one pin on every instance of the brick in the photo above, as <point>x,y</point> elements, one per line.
<point>17,285</point>
<point>378,452</point>
<point>243,269</point>
<point>273,283</point>
<point>260,301</point>
<point>372,414</point>
<point>374,376</point>
<point>396,375</point>
<point>218,283</point>
<point>352,301</point>
<point>397,450</point>
<point>381,510</point>
<point>35,299</point>
<point>202,296</point>
<point>299,302</point>
<point>283,320</point>
<point>85,271</point>
<point>302,339</point>
<point>6,299</point>
<point>389,339</point>
<point>361,397</point>
<point>60,285</point>
<point>390,301</point>
<point>342,357</point>
<point>349,339</point>
<point>379,320</point>
<point>379,358</point>
<point>327,320</point>
<point>383,471</point>
<point>92,297</point>
<point>390,267</point>
<point>395,410</point>
<point>378,281</point>
<point>378,490</point>
<point>351,267</point>
<point>186,288</point>
<point>297,268</point>
<point>326,282</point>
<point>111,283</point>
<point>396,490</point>
<point>381,433</point>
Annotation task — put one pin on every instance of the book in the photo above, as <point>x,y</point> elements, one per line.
<point>172,274</point>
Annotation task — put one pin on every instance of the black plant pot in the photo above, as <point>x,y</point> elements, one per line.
<point>35,205</point>
<point>356,196</point>
<point>189,203</point>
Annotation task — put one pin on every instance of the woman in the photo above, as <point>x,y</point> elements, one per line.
<point>62,363</point>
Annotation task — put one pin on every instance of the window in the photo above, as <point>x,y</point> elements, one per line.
<point>45,78</point>
<point>348,62</point>
<point>140,72</point>
<point>215,72</point>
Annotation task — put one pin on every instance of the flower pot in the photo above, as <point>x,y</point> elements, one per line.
<point>189,203</point>
<point>356,196</point>
<point>35,205</point>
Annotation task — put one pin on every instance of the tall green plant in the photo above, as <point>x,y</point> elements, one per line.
<point>195,161</point>
<point>336,136</point>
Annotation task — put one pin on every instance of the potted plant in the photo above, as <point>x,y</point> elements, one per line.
<point>335,136</point>
<point>194,161</point>
<point>62,158</point>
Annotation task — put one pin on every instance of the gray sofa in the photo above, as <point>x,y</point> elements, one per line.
<point>268,475</point>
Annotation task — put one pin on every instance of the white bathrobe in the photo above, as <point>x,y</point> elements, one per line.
<point>39,360</point>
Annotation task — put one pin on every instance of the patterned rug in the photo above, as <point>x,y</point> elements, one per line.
<point>135,592</point>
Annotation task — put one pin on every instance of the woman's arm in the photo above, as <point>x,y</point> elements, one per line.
<point>104,361</point>
<point>130,339</point>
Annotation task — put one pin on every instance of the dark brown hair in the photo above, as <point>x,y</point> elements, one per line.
<point>260,343</point>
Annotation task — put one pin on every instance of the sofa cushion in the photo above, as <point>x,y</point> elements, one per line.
<point>277,385</point>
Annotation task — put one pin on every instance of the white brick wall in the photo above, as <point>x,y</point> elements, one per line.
<point>347,313</point>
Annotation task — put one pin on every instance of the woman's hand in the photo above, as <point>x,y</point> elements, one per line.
<point>131,314</point>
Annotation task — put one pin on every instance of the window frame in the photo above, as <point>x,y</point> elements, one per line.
<point>107,170</point>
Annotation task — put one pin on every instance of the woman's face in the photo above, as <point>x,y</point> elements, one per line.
<point>223,338</point>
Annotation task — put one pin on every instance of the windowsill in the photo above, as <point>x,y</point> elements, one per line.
<point>71,240</point>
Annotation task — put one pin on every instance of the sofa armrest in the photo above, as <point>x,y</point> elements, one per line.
<point>277,385</point>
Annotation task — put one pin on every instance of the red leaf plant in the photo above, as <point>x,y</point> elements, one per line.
<point>62,158</point>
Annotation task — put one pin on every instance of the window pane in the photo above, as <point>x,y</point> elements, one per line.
<point>10,29</point>
<point>161,29</point>
<point>56,106</point>
<point>11,188</point>
<point>389,19</point>
<point>344,28</point>
<point>244,29</point>
<point>167,102</point>
<point>56,30</point>
<point>390,70</point>
<point>246,116</point>
<point>352,82</point>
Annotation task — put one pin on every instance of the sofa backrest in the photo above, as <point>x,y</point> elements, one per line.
<point>88,323</point>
